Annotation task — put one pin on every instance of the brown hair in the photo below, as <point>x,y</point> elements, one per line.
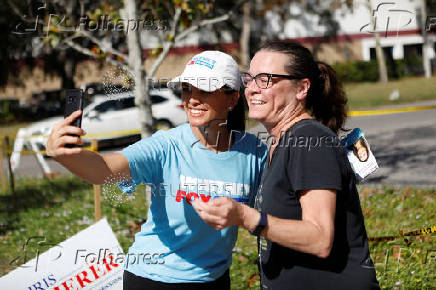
<point>361,144</point>
<point>326,99</point>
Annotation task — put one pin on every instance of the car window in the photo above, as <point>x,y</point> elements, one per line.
<point>115,105</point>
<point>178,93</point>
<point>156,99</point>
<point>107,106</point>
<point>126,103</point>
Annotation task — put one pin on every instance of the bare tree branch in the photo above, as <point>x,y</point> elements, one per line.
<point>169,9</point>
<point>168,44</point>
<point>86,51</point>
<point>105,47</point>
<point>205,22</point>
<point>201,24</point>
<point>17,12</point>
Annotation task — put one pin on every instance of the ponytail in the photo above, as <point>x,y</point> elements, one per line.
<point>236,117</point>
<point>325,100</point>
<point>328,102</point>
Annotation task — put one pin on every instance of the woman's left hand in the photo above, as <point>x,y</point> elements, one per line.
<point>220,213</point>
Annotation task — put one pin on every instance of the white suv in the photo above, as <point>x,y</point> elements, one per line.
<point>110,117</point>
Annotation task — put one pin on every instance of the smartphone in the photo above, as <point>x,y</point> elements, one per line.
<point>73,102</point>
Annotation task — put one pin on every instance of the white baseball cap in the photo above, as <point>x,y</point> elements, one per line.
<point>209,71</point>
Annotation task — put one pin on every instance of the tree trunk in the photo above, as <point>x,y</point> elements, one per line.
<point>425,45</point>
<point>244,40</point>
<point>136,63</point>
<point>69,69</point>
<point>381,62</point>
<point>68,57</point>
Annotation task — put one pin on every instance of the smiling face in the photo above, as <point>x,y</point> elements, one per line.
<point>362,154</point>
<point>204,107</point>
<point>361,150</point>
<point>281,99</point>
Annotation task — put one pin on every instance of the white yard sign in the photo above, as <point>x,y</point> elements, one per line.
<point>91,259</point>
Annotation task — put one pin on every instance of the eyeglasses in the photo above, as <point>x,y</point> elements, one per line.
<point>263,80</point>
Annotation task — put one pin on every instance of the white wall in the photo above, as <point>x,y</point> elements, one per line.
<point>398,16</point>
<point>391,15</point>
<point>398,45</point>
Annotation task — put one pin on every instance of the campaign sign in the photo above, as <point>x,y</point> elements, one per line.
<point>87,260</point>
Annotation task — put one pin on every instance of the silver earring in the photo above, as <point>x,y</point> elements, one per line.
<point>230,108</point>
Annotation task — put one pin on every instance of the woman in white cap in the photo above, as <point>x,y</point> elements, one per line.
<point>209,157</point>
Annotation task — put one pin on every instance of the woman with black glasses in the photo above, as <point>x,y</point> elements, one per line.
<point>308,219</point>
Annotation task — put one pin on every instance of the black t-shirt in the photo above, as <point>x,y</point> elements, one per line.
<point>309,156</point>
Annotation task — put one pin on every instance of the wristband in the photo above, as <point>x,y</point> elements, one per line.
<point>261,224</point>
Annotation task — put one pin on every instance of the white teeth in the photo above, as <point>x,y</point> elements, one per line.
<point>193,111</point>
<point>257,102</point>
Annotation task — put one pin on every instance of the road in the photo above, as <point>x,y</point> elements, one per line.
<point>404,145</point>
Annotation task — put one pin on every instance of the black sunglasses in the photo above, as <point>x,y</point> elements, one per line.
<point>263,80</point>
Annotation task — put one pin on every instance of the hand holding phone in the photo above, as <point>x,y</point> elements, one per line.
<point>73,102</point>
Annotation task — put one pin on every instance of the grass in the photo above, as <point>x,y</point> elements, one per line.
<point>59,208</point>
<point>387,210</point>
<point>370,95</point>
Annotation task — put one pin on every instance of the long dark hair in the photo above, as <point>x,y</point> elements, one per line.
<point>236,117</point>
<point>326,99</point>
<point>364,145</point>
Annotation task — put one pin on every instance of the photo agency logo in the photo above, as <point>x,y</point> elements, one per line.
<point>296,141</point>
<point>394,259</point>
<point>388,17</point>
<point>430,23</point>
<point>106,257</point>
<point>33,247</point>
<point>44,22</point>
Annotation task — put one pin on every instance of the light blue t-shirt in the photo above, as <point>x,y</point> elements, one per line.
<point>175,245</point>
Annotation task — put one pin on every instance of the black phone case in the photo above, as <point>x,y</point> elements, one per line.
<point>73,102</point>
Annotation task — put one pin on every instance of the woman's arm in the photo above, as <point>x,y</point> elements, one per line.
<point>313,234</point>
<point>88,165</point>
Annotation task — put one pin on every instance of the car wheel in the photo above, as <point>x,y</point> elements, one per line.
<point>163,125</point>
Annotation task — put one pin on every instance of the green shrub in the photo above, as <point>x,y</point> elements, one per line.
<point>367,71</point>
<point>8,110</point>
